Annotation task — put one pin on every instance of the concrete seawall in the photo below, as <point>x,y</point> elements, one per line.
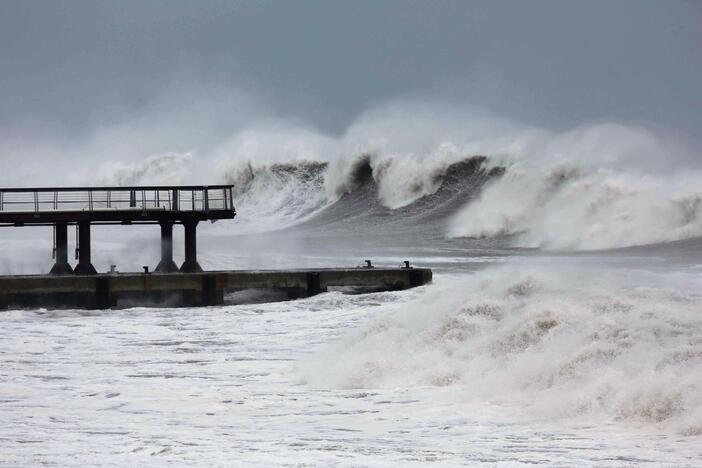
<point>190,289</point>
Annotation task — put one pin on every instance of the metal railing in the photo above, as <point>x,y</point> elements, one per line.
<point>175,198</point>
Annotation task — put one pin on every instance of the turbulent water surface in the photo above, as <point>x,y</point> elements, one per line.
<point>529,348</point>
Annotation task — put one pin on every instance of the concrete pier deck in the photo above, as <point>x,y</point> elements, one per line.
<point>105,291</point>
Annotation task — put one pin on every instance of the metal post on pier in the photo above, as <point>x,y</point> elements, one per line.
<point>84,267</point>
<point>61,267</point>
<point>166,265</point>
<point>190,265</point>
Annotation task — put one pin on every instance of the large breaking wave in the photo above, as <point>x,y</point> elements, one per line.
<point>561,205</point>
<point>443,173</point>
<point>548,202</point>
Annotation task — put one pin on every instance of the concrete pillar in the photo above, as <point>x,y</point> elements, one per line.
<point>166,265</point>
<point>190,265</point>
<point>84,266</point>
<point>61,267</point>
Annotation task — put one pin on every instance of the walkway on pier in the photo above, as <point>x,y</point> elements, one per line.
<point>61,207</point>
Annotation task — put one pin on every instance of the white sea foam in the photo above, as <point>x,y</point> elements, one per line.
<point>565,205</point>
<point>564,343</point>
<point>270,197</point>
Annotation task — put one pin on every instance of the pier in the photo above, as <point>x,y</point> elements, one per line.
<point>104,291</point>
<point>82,207</point>
<point>168,285</point>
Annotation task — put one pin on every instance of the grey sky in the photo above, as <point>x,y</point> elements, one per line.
<point>67,66</point>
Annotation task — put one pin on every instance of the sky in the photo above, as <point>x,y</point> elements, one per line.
<point>69,67</point>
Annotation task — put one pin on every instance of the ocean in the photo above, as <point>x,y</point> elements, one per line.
<point>563,327</point>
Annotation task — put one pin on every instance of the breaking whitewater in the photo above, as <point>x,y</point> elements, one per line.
<point>564,325</point>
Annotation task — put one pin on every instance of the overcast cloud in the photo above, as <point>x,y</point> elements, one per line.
<point>67,67</point>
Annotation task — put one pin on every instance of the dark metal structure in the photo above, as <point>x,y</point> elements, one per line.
<point>61,207</point>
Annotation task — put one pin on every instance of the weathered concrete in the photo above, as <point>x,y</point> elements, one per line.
<point>106,291</point>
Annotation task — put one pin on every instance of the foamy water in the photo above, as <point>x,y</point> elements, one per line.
<point>227,386</point>
<point>510,363</point>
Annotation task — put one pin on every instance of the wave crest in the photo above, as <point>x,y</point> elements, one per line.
<point>567,206</point>
<point>273,196</point>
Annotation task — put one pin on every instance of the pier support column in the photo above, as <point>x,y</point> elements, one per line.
<point>166,265</point>
<point>61,267</point>
<point>84,267</point>
<point>190,265</point>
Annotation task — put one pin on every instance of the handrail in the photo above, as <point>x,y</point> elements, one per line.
<point>196,198</point>
<point>114,188</point>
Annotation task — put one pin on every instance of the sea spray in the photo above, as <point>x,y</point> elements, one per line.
<point>274,196</point>
<point>563,343</point>
<point>564,205</point>
<point>596,186</point>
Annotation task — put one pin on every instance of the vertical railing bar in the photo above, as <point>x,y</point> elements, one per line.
<point>77,242</point>
<point>207,200</point>
<point>176,200</point>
